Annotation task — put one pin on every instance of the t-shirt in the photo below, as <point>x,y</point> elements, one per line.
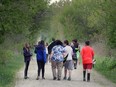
<point>58,51</point>
<point>87,54</point>
<point>69,51</point>
<point>46,49</point>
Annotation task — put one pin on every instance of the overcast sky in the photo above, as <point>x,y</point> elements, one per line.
<point>54,1</point>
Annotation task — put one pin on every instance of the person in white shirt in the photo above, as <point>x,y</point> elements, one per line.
<point>68,65</point>
<point>46,47</point>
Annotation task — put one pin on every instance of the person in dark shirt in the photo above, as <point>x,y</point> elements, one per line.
<point>51,46</point>
<point>27,57</point>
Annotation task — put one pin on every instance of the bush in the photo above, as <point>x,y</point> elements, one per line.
<point>9,69</point>
<point>107,67</point>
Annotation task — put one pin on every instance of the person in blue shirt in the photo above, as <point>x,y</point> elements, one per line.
<point>41,58</point>
<point>57,57</point>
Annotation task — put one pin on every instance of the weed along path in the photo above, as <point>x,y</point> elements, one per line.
<point>96,79</point>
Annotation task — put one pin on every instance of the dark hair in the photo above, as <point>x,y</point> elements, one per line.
<point>66,42</point>
<point>74,40</point>
<point>87,42</point>
<point>58,42</point>
<point>76,44</point>
<point>42,42</point>
<point>39,42</point>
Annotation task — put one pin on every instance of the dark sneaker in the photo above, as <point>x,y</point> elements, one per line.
<point>69,79</point>
<point>54,78</point>
<point>43,77</point>
<point>84,79</point>
<point>64,78</point>
<point>59,79</point>
<point>37,78</point>
<point>88,80</point>
<point>26,77</point>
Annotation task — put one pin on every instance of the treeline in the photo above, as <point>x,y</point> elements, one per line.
<point>92,20</point>
<point>88,19</point>
<point>21,21</point>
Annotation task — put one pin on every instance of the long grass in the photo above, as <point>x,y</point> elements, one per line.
<point>9,69</point>
<point>107,67</point>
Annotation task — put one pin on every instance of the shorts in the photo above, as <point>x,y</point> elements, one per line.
<point>69,65</point>
<point>87,66</point>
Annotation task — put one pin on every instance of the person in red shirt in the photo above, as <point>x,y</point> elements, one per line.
<point>87,54</point>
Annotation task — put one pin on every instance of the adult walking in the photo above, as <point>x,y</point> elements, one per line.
<point>41,58</point>
<point>57,57</point>
<point>87,54</point>
<point>27,57</point>
<point>50,46</point>
<point>68,65</point>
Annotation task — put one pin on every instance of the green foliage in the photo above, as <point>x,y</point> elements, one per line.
<point>20,21</point>
<point>87,19</point>
<point>17,16</point>
<point>8,71</point>
<point>5,54</point>
<point>107,67</point>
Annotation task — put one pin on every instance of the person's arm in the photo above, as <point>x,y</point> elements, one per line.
<point>82,54</point>
<point>51,55</point>
<point>92,53</point>
<point>79,48</point>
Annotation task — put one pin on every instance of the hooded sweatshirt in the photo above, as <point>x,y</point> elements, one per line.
<point>40,53</point>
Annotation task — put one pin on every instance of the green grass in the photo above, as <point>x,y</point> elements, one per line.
<point>9,69</point>
<point>107,67</point>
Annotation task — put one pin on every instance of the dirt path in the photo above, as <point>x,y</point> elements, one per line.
<point>96,79</point>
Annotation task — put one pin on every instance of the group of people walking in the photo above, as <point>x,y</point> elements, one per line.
<point>61,55</point>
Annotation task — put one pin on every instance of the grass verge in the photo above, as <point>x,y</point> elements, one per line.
<point>107,67</point>
<point>9,69</point>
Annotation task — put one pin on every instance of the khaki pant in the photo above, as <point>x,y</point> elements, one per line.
<point>57,69</point>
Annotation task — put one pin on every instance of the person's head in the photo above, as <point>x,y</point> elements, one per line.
<point>74,40</point>
<point>58,42</point>
<point>42,42</point>
<point>46,44</point>
<point>87,43</point>
<point>66,42</point>
<point>27,45</point>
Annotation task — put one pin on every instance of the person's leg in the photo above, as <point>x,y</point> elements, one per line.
<point>59,67</point>
<point>53,64</point>
<point>89,67</point>
<point>84,72</point>
<point>70,68</point>
<point>88,74</point>
<point>46,58</point>
<point>65,70</point>
<point>75,64</point>
<point>39,69</point>
<point>65,74</point>
<point>26,69</point>
<point>69,72</point>
<point>43,70</point>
